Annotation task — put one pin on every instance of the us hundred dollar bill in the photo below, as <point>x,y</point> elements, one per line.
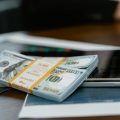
<point>88,63</point>
<point>60,83</point>
<point>10,64</point>
<point>66,77</point>
<point>81,62</point>
<point>53,78</point>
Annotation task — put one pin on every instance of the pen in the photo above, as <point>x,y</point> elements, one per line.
<point>53,54</point>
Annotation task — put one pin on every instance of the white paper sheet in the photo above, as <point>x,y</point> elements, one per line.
<point>84,102</point>
<point>23,37</point>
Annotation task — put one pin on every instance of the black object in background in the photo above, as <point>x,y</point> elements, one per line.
<point>10,16</point>
<point>54,53</point>
<point>43,14</point>
<point>109,65</point>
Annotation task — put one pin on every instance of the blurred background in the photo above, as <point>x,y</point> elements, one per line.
<point>35,15</point>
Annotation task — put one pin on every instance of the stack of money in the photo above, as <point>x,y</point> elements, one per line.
<point>52,78</point>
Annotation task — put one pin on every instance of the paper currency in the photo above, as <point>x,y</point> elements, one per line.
<point>60,83</point>
<point>52,78</point>
<point>88,62</point>
<point>81,62</point>
<point>11,63</point>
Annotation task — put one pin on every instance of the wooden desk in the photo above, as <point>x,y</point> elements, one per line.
<point>11,101</point>
<point>101,34</point>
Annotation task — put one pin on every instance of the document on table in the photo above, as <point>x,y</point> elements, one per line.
<point>25,38</point>
<point>83,103</point>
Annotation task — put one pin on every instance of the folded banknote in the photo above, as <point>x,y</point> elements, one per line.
<point>52,78</point>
